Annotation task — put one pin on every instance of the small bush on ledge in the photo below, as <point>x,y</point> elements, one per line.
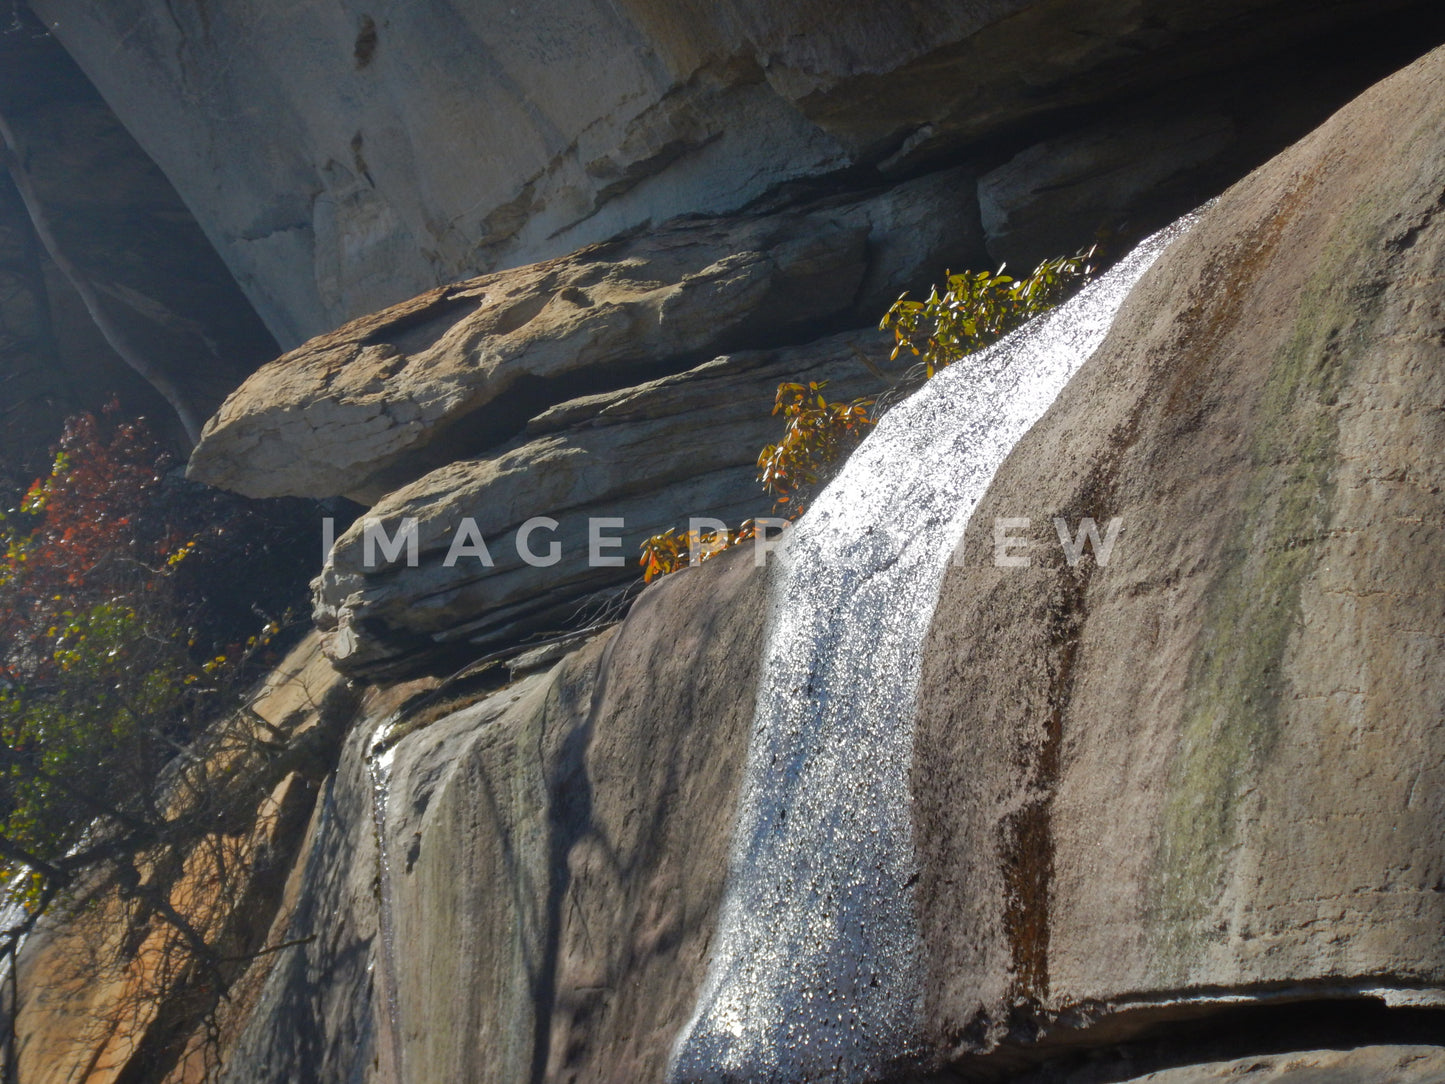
<point>975,310</point>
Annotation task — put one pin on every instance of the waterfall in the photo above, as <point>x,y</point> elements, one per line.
<point>816,969</point>
<point>381,754</point>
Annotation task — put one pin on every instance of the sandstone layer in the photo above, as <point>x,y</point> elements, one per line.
<point>346,156</point>
<point>635,462</point>
<point>380,401</point>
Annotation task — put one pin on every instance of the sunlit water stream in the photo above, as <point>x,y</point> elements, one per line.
<point>815,971</point>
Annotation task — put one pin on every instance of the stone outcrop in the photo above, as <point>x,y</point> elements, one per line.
<point>380,401</point>
<point>342,158</point>
<point>1215,765</point>
<point>1105,169</point>
<point>1177,816</point>
<point>644,459</point>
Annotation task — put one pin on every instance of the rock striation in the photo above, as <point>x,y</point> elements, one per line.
<point>345,157</point>
<point>636,461</point>
<point>382,400</point>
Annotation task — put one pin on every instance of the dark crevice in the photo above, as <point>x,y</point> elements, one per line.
<point>366,41</point>
<point>1120,1047</point>
<point>569,816</point>
<point>1300,83</point>
<point>120,227</point>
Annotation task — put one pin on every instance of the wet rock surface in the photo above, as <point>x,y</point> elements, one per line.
<point>554,851</point>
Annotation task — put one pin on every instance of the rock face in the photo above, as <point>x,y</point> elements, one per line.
<point>1027,201</point>
<point>87,1009</point>
<point>1215,764</point>
<point>638,461</point>
<point>342,158</point>
<point>120,227</point>
<point>1186,800</point>
<point>1176,814</point>
<point>1380,1064</point>
<point>555,856</point>
<point>382,400</point>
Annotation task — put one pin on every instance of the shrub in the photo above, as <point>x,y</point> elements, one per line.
<point>817,437</point>
<point>669,551</point>
<point>976,309</point>
<point>112,656</point>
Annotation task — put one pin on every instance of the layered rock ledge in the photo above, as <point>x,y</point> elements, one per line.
<point>382,400</point>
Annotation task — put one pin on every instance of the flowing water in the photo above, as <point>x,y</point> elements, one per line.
<point>379,762</point>
<point>815,970</point>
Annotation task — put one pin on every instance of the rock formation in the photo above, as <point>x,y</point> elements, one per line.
<point>638,462</point>
<point>1195,787</point>
<point>1161,781</point>
<point>1175,814</point>
<point>344,158</point>
<point>383,399</point>
<point>117,245</point>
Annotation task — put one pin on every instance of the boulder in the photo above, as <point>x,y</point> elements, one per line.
<point>1210,770</point>
<point>345,157</point>
<point>651,456</point>
<point>384,399</point>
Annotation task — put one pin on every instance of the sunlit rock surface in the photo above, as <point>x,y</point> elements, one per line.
<point>380,401</point>
<point>1174,817</point>
<point>345,156</point>
<point>1179,812</point>
<point>1215,766</point>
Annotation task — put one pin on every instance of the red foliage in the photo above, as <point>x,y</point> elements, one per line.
<point>91,531</point>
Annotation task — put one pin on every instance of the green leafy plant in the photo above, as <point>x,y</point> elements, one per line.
<point>817,437</point>
<point>974,311</point>
<point>669,551</point>
<point>134,777</point>
<point>977,308</point>
<point>104,672</point>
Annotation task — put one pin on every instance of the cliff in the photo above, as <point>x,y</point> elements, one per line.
<point>345,157</point>
<point>937,792</point>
